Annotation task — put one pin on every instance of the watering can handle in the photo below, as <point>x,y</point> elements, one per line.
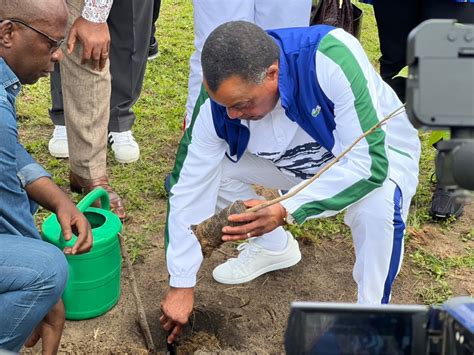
<point>92,196</point>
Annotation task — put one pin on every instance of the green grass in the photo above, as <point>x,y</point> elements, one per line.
<point>438,269</point>
<point>160,111</point>
<point>467,236</point>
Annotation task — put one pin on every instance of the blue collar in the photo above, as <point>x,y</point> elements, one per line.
<point>8,79</point>
<point>233,131</point>
<point>286,86</point>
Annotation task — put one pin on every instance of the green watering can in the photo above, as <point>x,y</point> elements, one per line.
<point>93,286</point>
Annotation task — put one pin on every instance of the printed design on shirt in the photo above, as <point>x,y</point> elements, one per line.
<point>96,11</point>
<point>315,111</point>
<point>302,161</point>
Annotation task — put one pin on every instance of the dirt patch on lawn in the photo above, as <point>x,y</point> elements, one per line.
<point>252,317</point>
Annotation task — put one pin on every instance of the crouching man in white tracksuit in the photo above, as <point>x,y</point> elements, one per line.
<point>277,107</point>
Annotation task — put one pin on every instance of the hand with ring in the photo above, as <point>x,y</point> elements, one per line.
<point>256,223</point>
<point>95,40</point>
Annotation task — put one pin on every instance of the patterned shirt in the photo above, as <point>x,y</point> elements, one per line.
<point>96,10</point>
<point>293,151</point>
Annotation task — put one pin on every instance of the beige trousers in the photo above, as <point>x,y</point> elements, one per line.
<point>86,98</point>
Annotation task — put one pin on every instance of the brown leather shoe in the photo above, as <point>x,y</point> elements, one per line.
<point>81,185</point>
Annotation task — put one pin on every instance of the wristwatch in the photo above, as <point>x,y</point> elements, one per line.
<point>288,218</point>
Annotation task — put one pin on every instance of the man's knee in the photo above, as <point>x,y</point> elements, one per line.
<point>52,272</point>
<point>59,274</point>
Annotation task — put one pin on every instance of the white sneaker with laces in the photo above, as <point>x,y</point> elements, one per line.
<point>57,145</point>
<point>124,146</point>
<point>254,260</point>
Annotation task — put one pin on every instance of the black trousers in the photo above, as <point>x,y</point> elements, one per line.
<point>156,14</point>
<point>395,20</point>
<point>130,24</point>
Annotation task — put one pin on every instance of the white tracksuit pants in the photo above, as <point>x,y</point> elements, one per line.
<point>208,14</point>
<point>377,223</point>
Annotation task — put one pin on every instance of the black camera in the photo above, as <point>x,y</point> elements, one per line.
<point>342,328</point>
<point>440,95</point>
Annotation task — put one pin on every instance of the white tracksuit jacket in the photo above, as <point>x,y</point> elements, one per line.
<point>329,95</point>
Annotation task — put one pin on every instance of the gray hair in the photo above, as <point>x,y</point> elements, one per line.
<point>237,48</point>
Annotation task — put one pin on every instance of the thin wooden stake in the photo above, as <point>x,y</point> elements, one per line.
<point>319,173</point>
<point>138,301</point>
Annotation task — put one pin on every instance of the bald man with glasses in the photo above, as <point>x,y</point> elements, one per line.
<point>33,273</point>
<point>55,43</point>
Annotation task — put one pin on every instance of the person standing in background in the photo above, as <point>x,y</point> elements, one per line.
<point>85,94</point>
<point>80,93</point>
<point>130,24</point>
<point>153,50</point>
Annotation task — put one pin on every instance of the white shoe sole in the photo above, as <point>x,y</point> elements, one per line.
<point>282,265</point>
<point>58,155</point>
<point>127,161</point>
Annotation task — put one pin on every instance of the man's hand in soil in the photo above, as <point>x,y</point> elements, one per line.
<point>176,306</point>
<point>256,223</point>
<point>49,330</point>
<point>95,39</point>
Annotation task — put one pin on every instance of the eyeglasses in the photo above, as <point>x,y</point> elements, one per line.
<point>55,44</point>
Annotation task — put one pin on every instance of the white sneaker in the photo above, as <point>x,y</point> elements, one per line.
<point>253,261</point>
<point>124,146</point>
<point>57,145</point>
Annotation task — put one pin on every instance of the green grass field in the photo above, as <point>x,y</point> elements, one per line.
<point>160,112</point>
